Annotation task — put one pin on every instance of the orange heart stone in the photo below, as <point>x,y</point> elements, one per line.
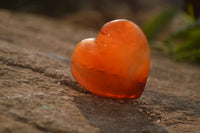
<point>115,64</point>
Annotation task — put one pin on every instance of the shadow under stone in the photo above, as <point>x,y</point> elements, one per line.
<point>169,103</point>
<point>112,116</point>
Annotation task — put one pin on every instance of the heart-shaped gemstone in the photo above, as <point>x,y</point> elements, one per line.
<point>115,64</point>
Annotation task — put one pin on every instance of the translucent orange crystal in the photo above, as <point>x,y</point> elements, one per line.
<point>115,64</point>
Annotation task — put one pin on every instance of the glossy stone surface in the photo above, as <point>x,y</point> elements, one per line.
<point>115,64</point>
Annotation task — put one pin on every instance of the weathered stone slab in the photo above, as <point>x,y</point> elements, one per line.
<point>38,93</point>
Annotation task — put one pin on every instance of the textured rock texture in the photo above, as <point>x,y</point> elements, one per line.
<point>39,95</point>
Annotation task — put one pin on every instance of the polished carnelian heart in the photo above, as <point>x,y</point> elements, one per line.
<point>115,64</point>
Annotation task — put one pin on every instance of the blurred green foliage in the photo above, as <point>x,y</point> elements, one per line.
<point>183,44</point>
<point>158,23</point>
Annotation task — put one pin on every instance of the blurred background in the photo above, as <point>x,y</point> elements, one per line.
<point>171,26</point>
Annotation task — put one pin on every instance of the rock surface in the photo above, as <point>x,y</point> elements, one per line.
<point>39,95</point>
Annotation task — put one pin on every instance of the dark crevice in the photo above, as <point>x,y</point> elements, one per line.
<point>59,77</point>
<point>75,85</point>
<point>57,57</point>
